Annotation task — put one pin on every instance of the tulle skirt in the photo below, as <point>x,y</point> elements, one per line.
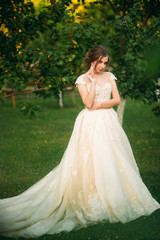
<point>97,179</point>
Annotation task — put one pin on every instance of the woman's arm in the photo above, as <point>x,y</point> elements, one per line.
<point>87,97</point>
<point>115,97</point>
<point>110,103</point>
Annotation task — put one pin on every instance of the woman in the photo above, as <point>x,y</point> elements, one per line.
<point>96,180</point>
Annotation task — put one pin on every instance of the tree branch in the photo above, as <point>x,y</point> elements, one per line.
<point>124,9</point>
<point>147,15</point>
<point>114,7</point>
<point>14,93</point>
<point>140,84</point>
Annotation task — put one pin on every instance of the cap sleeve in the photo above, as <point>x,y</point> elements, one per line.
<point>112,77</point>
<point>80,80</point>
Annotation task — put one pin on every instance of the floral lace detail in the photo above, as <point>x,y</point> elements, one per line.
<point>74,173</point>
<point>80,80</point>
<point>81,217</point>
<point>96,209</point>
<point>102,94</point>
<point>91,210</point>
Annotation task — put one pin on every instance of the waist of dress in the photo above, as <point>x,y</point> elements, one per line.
<point>99,109</point>
<point>97,114</point>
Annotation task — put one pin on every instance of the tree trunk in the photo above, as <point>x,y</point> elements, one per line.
<point>120,109</point>
<point>60,99</point>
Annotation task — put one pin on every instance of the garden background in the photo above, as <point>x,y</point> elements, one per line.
<point>43,44</point>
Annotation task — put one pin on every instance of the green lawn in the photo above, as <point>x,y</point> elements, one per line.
<point>30,148</point>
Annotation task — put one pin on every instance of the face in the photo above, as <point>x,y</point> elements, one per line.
<point>100,64</point>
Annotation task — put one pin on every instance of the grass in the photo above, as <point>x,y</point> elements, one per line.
<point>30,148</point>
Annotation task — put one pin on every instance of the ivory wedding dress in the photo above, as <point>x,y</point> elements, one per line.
<point>97,179</point>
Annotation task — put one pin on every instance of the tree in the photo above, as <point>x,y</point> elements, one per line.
<point>135,42</point>
<point>18,63</point>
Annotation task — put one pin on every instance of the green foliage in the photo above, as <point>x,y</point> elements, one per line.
<point>29,109</point>
<point>156,109</point>
<point>17,61</point>
<point>18,18</point>
<point>1,100</point>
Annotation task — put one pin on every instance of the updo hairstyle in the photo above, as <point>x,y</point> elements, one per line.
<point>95,53</point>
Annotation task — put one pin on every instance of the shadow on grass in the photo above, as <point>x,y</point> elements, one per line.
<point>143,228</point>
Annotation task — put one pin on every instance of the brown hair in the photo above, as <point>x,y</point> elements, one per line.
<point>95,53</point>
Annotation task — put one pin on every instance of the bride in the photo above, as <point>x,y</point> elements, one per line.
<point>97,178</point>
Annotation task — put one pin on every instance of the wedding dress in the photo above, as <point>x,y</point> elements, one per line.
<point>97,179</point>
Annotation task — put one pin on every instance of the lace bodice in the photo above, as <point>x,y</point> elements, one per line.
<point>103,93</point>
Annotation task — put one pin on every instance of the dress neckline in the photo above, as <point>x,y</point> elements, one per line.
<point>101,86</point>
<point>98,84</point>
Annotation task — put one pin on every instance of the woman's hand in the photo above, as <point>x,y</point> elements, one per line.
<point>95,106</point>
<point>90,74</point>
